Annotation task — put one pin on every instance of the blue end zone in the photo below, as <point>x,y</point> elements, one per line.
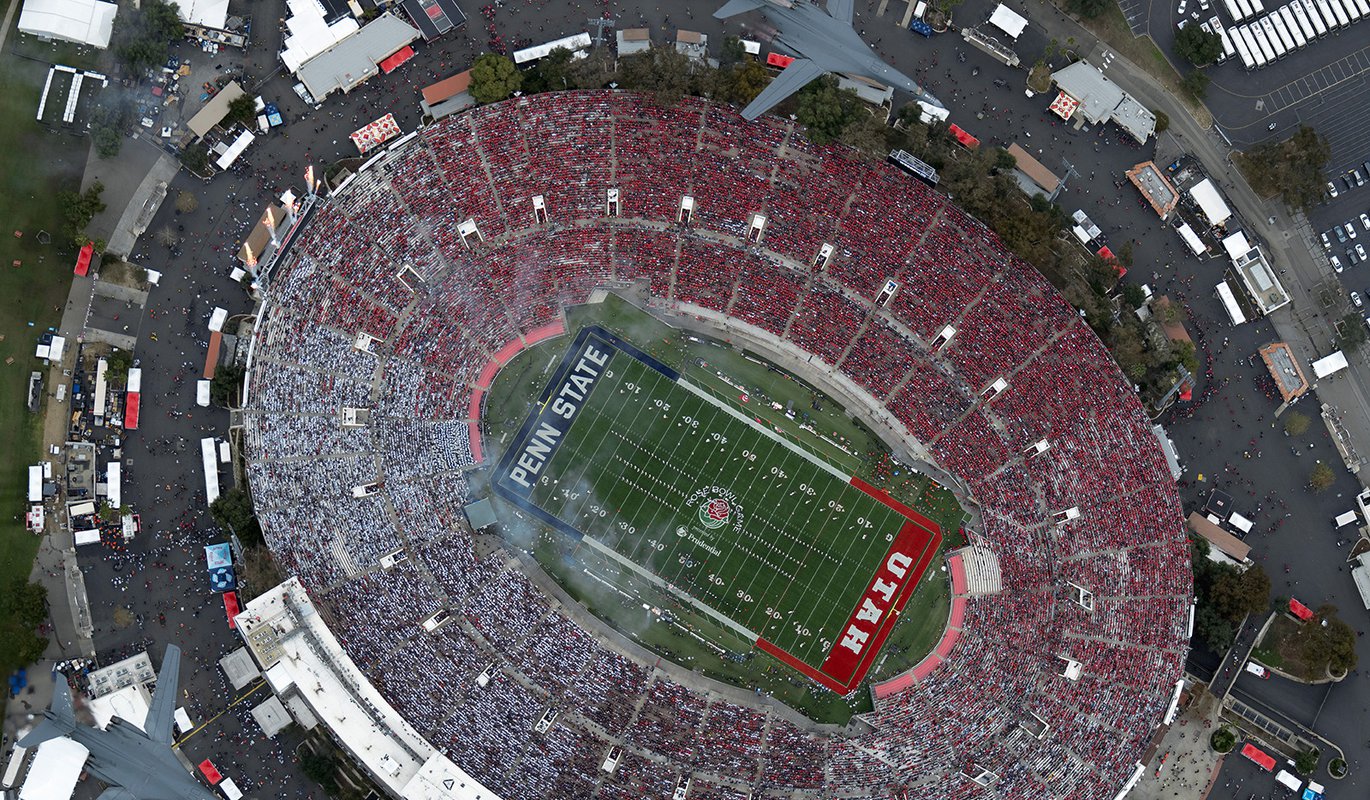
<point>559,404</point>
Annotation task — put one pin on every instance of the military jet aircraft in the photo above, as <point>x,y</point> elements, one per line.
<point>821,41</point>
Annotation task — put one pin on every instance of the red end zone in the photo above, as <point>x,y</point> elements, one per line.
<point>861,638</point>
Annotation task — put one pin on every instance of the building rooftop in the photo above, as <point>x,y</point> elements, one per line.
<point>1035,170</point>
<point>1155,187</point>
<point>215,110</point>
<point>1285,369</point>
<point>349,62</point>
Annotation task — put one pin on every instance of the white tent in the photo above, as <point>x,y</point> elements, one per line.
<point>1008,21</point>
<point>310,34</point>
<point>1210,202</point>
<point>82,21</point>
<point>54,770</point>
<point>1329,365</point>
<point>207,13</point>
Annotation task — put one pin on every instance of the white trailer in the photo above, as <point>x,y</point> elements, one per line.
<point>1364,6</point>
<point>1292,25</point>
<point>1309,19</point>
<point>1243,51</point>
<point>1247,9</point>
<point>1263,41</point>
<point>1277,45</point>
<point>1353,11</point>
<point>1233,10</point>
<point>1217,27</point>
<point>1338,12</point>
<point>1325,12</point>
<point>1258,53</point>
<point>1280,33</point>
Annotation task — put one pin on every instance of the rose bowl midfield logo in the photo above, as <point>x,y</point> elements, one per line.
<point>715,508</point>
<point>714,513</point>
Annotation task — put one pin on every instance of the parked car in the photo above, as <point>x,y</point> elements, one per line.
<point>1341,234</point>
<point>1350,230</point>
<point>1351,258</point>
<point>1365,220</point>
<point>1360,251</point>
<point>1336,264</point>
<point>1257,670</point>
<point>1332,189</point>
<point>1357,177</point>
<point>1356,301</point>
<point>1326,242</point>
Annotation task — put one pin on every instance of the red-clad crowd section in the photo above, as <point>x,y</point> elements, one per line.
<point>420,382</point>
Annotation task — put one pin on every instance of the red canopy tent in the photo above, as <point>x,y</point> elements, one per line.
<point>400,56</point>
<point>231,607</point>
<point>211,774</point>
<point>777,60</point>
<point>964,138</point>
<point>83,258</point>
<point>1257,755</point>
<point>132,404</point>
<point>1300,610</point>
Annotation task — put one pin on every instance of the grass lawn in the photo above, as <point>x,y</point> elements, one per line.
<point>36,164</point>
<point>655,616</point>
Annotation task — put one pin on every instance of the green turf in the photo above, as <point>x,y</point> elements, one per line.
<point>35,165</point>
<point>677,630</point>
<point>791,560</point>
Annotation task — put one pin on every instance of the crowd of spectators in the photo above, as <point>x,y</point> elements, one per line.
<point>505,656</point>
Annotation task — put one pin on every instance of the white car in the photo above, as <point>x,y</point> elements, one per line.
<point>1336,264</point>
<point>1356,301</point>
<point>1257,670</point>
<point>1365,220</point>
<point>1182,7</point>
<point>1360,251</point>
<point>1350,230</point>
<point>1332,189</point>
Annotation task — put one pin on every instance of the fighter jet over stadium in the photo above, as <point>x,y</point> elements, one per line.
<point>821,41</point>
<point>137,764</point>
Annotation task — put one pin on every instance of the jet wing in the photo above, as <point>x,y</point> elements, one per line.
<point>734,7</point>
<point>840,10</point>
<point>159,715</point>
<point>794,77</point>
<point>116,793</point>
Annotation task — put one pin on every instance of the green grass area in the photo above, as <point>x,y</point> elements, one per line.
<point>709,501</point>
<point>659,619</point>
<point>35,165</point>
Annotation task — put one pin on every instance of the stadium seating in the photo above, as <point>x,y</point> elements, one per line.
<point>477,296</point>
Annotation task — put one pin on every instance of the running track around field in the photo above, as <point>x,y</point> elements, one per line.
<point>492,368</point>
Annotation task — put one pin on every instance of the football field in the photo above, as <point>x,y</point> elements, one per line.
<point>729,516</point>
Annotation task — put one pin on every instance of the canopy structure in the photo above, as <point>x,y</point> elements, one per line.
<point>963,137</point>
<point>88,22</point>
<point>1064,105</point>
<point>375,133</point>
<point>1008,21</point>
<point>83,258</point>
<point>1329,365</point>
<point>1257,755</point>
<point>1210,202</point>
<point>205,13</point>
<point>393,61</point>
<point>1300,610</point>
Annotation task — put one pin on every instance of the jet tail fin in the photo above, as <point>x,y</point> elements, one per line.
<point>60,719</point>
<point>734,7</point>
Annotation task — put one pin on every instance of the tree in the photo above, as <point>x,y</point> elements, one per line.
<point>1223,739</point>
<point>1162,122</point>
<point>1197,45</point>
<point>23,607</point>
<point>825,110</point>
<point>223,387</point>
<point>1293,167</point>
<point>233,510</point>
<point>1306,761</point>
<point>552,73</point>
<point>1352,332</point>
<point>142,35</point>
<point>1195,84</point>
<point>196,158</point>
<point>493,78</point>
<point>1133,295</point>
<point>242,110</point>
<point>79,209</point>
<point>1321,478</point>
<point>1236,595</point>
<point>1215,632</point>
<point>166,236</point>
<point>186,202</point>
<point>1295,423</point>
<point>1089,9</point>
<point>321,769</point>
<point>107,141</point>
<point>867,136</point>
